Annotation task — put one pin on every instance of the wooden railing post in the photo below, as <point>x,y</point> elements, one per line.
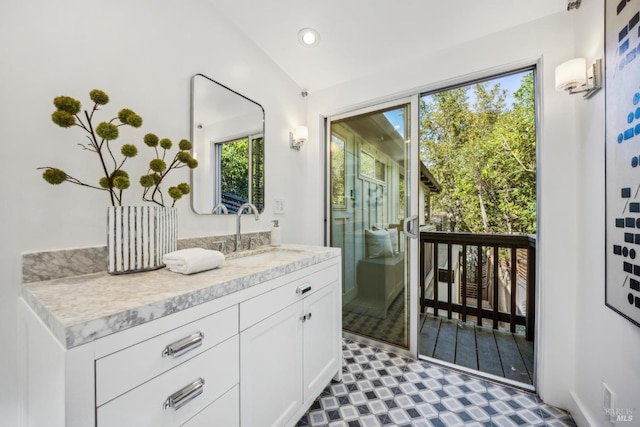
<point>479,299</point>
<point>496,286</point>
<point>436,278</point>
<point>464,283</point>
<point>423,250</point>
<point>449,283</point>
<point>514,287</point>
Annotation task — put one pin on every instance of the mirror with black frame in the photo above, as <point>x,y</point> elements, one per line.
<point>227,131</point>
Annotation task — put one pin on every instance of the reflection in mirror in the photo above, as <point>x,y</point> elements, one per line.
<point>227,130</point>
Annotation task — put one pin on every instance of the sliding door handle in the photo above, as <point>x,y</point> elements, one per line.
<point>409,227</point>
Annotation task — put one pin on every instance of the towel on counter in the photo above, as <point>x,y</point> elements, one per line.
<point>193,260</point>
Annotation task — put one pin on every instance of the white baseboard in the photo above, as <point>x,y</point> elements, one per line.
<point>580,415</point>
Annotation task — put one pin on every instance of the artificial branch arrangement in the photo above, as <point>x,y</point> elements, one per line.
<point>158,169</point>
<point>100,141</point>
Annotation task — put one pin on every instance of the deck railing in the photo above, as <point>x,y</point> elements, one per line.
<point>498,264</point>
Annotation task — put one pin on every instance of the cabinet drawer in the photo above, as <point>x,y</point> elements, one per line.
<point>224,412</point>
<point>264,305</point>
<point>121,371</point>
<point>145,405</point>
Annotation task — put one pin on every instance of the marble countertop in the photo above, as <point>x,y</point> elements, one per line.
<point>81,309</point>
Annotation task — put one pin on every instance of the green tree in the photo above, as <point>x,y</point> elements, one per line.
<point>483,154</point>
<point>235,164</point>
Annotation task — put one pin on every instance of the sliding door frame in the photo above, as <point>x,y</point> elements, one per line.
<point>412,179</point>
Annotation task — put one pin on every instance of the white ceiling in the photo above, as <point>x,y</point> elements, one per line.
<point>358,36</point>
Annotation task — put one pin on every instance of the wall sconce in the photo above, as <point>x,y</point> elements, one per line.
<point>574,77</point>
<point>298,137</point>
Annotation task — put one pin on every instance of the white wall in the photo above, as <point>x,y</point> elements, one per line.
<point>142,53</point>
<point>606,344</point>
<point>549,41</point>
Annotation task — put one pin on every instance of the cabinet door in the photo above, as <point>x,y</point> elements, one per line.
<point>271,369</point>
<point>321,339</point>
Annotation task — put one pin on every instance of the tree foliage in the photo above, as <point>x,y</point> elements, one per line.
<point>482,151</point>
<point>235,164</point>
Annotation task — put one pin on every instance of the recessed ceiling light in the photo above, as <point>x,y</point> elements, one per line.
<point>308,37</point>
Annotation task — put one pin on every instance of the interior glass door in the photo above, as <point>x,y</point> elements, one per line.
<point>369,201</point>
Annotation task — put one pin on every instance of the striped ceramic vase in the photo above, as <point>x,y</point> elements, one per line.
<point>138,237</point>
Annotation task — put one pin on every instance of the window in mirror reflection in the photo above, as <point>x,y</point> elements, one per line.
<point>338,178</point>
<point>242,160</point>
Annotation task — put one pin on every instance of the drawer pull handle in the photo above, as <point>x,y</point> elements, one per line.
<point>184,345</point>
<point>303,289</point>
<point>185,395</point>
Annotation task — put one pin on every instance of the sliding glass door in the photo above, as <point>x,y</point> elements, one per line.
<point>369,203</point>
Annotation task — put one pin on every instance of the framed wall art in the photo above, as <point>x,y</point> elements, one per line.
<point>622,151</point>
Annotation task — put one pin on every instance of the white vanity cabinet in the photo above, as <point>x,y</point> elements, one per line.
<point>174,371</point>
<point>174,376</point>
<point>288,350</point>
<point>258,355</point>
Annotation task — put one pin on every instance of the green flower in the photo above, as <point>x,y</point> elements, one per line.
<point>135,121</point>
<point>185,144</point>
<point>119,179</point>
<point>107,131</point>
<point>184,157</point>
<point>99,97</point>
<point>184,187</point>
<point>68,104</point>
<point>147,181</point>
<point>105,183</point>
<point>119,172</point>
<point>192,164</point>
<point>121,182</point>
<point>54,176</point>
<point>157,165</point>
<point>128,117</point>
<point>166,143</point>
<point>129,150</point>
<point>63,118</point>
<point>123,115</point>
<point>151,140</point>
<point>174,193</point>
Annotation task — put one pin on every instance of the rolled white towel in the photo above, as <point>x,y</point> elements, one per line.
<point>193,260</point>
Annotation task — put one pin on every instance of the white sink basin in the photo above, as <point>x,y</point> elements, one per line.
<point>263,256</point>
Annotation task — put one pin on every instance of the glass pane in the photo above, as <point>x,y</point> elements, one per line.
<point>243,181</point>
<point>235,180</point>
<point>367,210</point>
<point>338,171</point>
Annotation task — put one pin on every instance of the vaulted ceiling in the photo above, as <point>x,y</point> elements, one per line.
<point>359,36</point>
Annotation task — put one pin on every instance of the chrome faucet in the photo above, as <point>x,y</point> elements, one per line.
<point>241,209</point>
<point>219,206</point>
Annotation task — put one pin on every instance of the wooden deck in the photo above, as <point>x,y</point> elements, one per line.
<point>480,348</point>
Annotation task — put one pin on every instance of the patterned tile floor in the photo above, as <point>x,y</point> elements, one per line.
<point>382,389</point>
